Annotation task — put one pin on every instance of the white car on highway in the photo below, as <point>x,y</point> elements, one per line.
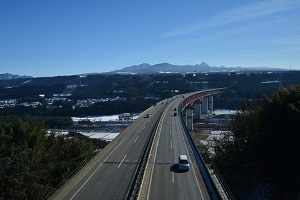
<point>183,163</point>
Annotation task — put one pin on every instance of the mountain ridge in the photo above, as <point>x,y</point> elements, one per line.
<point>8,76</point>
<point>146,68</point>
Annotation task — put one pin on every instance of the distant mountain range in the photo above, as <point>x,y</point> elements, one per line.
<point>12,76</point>
<point>146,68</point>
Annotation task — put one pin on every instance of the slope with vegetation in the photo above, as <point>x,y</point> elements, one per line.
<point>34,162</point>
<point>259,157</point>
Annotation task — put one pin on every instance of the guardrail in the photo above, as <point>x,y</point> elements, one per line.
<point>136,179</point>
<point>212,190</point>
<point>226,192</point>
<point>199,95</point>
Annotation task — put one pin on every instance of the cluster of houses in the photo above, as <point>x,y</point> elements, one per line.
<point>13,102</point>
<point>88,102</point>
<point>8,103</point>
<point>50,102</point>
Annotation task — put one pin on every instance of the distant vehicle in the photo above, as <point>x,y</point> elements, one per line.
<point>175,109</point>
<point>147,115</point>
<point>175,113</point>
<point>183,163</point>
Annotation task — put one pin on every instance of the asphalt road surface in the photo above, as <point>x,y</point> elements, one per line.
<point>109,174</point>
<point>165,180</point>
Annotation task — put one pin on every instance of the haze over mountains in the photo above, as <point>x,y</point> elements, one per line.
<point>146,68</point>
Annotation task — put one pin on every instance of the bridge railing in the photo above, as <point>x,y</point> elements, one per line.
<point>189,100</point>
<point>216,186</point>
<point>220,183</point>
<point>212,190</point>
<point>132,190</point>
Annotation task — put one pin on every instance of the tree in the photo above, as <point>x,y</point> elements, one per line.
<point>265,141</point>
<point>33,162</point>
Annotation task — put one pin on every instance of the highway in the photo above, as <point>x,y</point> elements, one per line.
<point>109,174</point>
<point>163,180</point>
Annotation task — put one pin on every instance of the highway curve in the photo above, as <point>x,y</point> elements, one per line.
<point>109,174</point>
<point>163,180</point>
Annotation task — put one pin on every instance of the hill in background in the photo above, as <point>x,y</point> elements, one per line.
<point>7,76</point>
<point>146,68</point>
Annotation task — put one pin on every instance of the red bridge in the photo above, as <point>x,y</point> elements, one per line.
<point>200,102</point>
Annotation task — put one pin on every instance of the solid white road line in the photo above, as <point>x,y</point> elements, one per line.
<point>155,151</point>
<point>96,170</point>
<point>187,150</point>
<point>86,181</point>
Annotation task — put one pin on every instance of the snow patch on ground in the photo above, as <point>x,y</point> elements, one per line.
<point>210,141</point>
<point>92,134</point>
<point>224,112</point>
<point>108,136</point>
<point>105,118</point>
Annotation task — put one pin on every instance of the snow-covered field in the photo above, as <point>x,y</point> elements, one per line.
<point>102,135</point>
<point>108,136</point>
<point>225,112</point>
<point>105,118</point>
<point>211,140</point>
<point>92,134</point>
<point>97,118</point>
<point>214,135</point>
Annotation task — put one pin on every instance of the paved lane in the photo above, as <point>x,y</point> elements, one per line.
<point>110,174</point>
<point>166,181</point>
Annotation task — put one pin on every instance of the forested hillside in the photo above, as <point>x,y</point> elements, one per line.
<point>260,158</point>
<point>73,95</point>
<point>34,162</point>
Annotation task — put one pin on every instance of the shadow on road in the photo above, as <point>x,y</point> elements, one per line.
<point>175,168</point>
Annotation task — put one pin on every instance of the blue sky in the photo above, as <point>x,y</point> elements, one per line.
<point>65,37</point>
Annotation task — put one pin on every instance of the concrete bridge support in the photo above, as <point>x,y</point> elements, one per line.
<point>204,105</point>
<point>202,102</point>
<point>197,110</point>
<point>210,102</point>
<point>189,117</point>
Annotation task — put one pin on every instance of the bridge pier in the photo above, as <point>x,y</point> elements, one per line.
<point>189,117</point>
<point>197,110</point>
<point>204,105</point>
<point>210,102</point>
<point>200,103</point>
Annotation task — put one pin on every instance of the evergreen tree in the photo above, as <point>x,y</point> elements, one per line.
<point>265,141</point>
<point>33,162</point>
